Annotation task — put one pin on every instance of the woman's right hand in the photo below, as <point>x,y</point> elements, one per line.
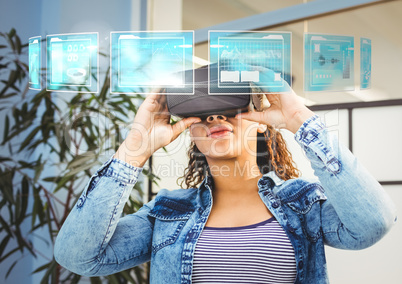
<point>151,130</point>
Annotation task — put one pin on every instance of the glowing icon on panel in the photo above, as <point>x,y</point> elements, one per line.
<point>77,75</point>
<point>230,76</point>
<point>250,76</point>
<point>231,55</point>
<point>72,62</point>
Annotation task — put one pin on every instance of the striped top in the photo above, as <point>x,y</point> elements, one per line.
<point>260,253</point>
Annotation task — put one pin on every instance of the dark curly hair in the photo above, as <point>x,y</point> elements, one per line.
<point>272,155</point>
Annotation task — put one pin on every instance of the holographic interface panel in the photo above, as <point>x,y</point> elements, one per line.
<point>365,63</point>
<point>72,62</point>
<point>35,59</point>
<point>147,62</point>
<point>249,58</point>
<point>328,62</point>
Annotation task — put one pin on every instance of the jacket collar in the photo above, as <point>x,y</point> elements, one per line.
<point>277,180</point>
<point>204,194</point>
<point>208,181</point>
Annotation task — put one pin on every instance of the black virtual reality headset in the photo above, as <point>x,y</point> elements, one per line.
<point>201,104</point>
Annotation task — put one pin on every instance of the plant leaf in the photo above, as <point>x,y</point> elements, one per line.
<point>79,160</point>
<point>11,33</point>
<point>4,243</point>
<point>30,137</point>
<point>6,128</point>
<point>62,182</point>
<point>82,168</point>
<point>95,280</point>
<point>9,253</point>
<point>11,268</point>
<point>126,275</point>
<point>5,226</point>
<point>50,270</point>
<point>43,267</point>
<point>24,200</point>
<point>18,44</point>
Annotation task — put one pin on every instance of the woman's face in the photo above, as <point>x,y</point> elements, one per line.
<point>223,137</point>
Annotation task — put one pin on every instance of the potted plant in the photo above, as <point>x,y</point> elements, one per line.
<point>51,145</point>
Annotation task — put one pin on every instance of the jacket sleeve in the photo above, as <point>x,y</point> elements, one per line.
<point>358,212</point>
<point>94,240</point>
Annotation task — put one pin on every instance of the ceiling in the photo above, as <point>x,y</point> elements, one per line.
<point>378,22</point>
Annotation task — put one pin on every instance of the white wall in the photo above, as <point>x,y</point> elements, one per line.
<point>377,136</point>
<point>380,263</point>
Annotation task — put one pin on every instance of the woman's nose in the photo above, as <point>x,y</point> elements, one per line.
<point>213,117</point>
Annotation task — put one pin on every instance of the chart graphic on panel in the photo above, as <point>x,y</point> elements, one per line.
<point>241,59</point>
<point>365,63</point>
<point>35,59</point>
<point>72,62</point>
<point>328,62</point>
<point>147,62</point>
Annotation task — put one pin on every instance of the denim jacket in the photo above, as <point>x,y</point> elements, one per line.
<point>346,209</point>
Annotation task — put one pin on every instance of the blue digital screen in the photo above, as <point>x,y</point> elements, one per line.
<point>328,62</point>
<point>72,62</point>
<point>365,63</point>
<point>35,63</point>
<point>241,59</point>
<point>147,62</point>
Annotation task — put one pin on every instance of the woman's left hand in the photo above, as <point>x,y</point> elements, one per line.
<point>287,111</point>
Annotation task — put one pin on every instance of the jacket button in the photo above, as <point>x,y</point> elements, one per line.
<point>80,202</point>
<point>306,202</point>
<point>271,183</point>
<point>291,229</point>
<point>275,204</point>
<point>301,264</point>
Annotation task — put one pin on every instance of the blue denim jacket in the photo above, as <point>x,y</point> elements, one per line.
<point>347,209</point>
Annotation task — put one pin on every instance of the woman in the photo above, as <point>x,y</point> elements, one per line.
<point>181,231</point>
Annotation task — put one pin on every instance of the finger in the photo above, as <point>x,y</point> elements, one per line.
<point>272,97</point>
<point>154,103</point>
<point>156,90</point>
<point>163,102</point>
<point>252,116</point>
<point>183,124</point>
<point>151,97</point>
<point>154,95</point>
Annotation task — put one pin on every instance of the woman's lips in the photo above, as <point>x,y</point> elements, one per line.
<point>220,134</point>
<point>219,131</point>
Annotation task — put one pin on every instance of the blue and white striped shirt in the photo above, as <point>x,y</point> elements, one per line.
<point>259,253</point>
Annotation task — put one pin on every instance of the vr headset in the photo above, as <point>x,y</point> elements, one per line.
<point>201,104</point>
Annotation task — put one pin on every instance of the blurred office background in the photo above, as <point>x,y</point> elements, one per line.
<point>369,122</point>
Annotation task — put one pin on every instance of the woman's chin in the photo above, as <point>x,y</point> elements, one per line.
<point>222,153</point>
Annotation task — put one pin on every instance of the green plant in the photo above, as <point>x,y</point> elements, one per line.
<point>54,142</point>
